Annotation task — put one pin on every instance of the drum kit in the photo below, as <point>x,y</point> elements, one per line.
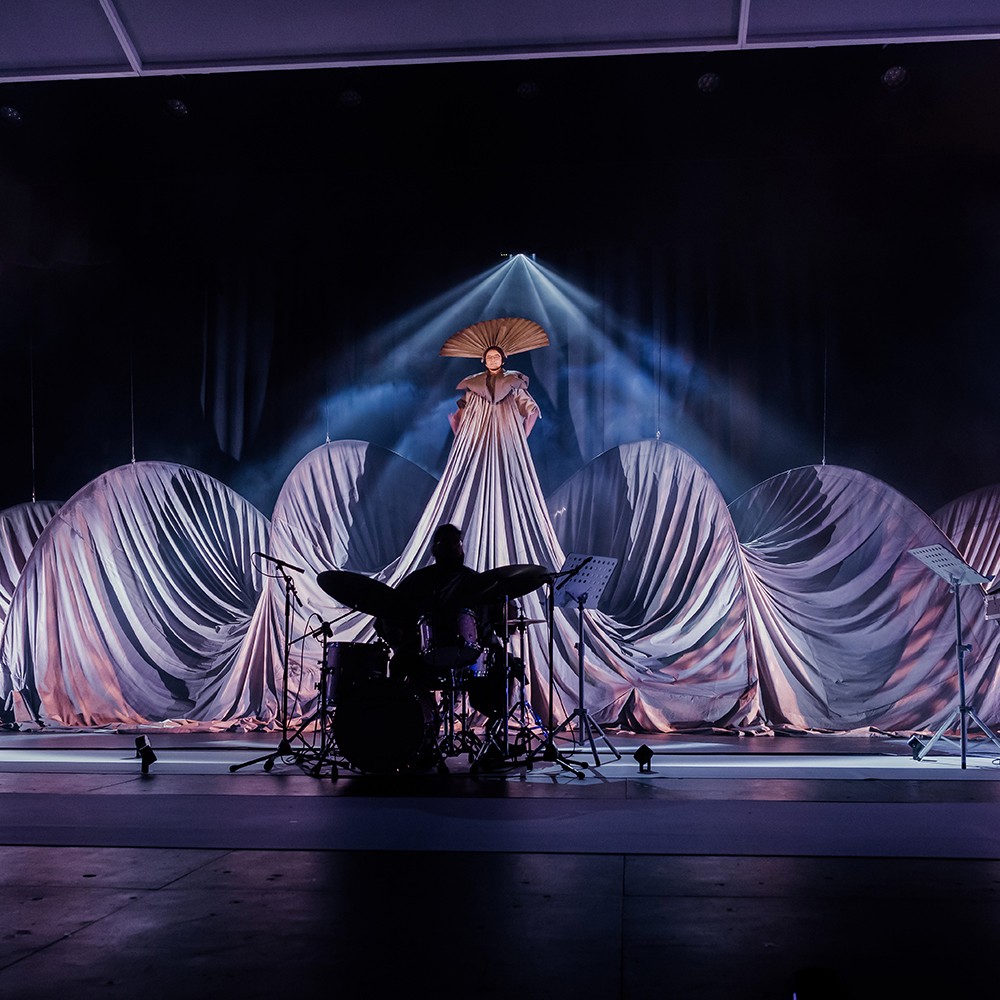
<point>417,695</point>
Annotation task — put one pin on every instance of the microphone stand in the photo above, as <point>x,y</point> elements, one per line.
<point>284,748</point>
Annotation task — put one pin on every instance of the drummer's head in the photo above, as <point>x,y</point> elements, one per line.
<point>447,546</point>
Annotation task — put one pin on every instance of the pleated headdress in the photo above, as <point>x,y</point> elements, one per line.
<point>511,334</point>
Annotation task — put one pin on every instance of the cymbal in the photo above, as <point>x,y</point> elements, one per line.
<point>513,581</point>
<point>360,592</point>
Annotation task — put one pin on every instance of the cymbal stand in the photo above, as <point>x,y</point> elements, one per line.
<point>284,749</point>
<point>495,736</point>
<point>949,567</point>
<point>518,712</point>
<point>327,750</point>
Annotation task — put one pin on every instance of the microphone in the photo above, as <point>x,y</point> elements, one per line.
<point>279,562</point>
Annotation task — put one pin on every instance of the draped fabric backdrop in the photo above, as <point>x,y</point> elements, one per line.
<point>134,604</point>
<point>142,600</point>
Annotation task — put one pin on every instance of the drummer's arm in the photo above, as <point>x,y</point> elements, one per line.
<point>390,631</point>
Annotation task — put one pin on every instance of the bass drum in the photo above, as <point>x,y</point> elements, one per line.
<point>385,725</point>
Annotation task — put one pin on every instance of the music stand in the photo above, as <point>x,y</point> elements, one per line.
<point>547,752</point>
<point>584,580</point>
<point>950,567</point>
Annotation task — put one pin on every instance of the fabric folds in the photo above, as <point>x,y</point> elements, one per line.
<point>135,602</point>
<point>156,595</point>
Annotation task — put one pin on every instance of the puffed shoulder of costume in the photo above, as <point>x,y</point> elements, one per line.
<point>506,383</point>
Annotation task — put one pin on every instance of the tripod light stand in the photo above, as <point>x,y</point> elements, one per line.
<point>950,567</point>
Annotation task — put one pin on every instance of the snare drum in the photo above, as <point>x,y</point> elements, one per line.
<point>449,639</point>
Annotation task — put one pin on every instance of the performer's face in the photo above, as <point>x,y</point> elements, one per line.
<point>448,549</point>
<point>493,361</point>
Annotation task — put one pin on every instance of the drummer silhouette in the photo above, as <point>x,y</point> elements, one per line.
<point>446,585</point>
<point>441,623</point>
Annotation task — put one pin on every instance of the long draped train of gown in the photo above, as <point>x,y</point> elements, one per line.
<point>489,488</point>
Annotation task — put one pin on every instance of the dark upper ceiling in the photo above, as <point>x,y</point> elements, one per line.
<point>70,39</point>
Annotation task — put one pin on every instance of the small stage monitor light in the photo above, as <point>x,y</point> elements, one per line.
<point>916,744</point>
<point>145,753</point>
<point>644,756</point>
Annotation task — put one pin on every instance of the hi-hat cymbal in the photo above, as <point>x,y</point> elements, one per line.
<point>360,592</point>
<point>512,581</point>
<point>525,621</point>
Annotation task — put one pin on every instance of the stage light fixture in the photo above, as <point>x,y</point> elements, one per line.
<point>709,83</point>
<point>644,756</point>
<point>916,744</point>
<point>145,753</point>
<point>895,78</point>
<point>10,116</point>
<point>175,108</point>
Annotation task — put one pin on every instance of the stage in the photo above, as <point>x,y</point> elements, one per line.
<point>750,865</point>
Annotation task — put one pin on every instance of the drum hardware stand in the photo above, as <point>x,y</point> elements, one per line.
<point>518,712</point>
<point>284,749</point>
<point>950,567</point>
<point>327,752</point>
<point>454,744</point>
<point>584,589</point>
<point>495,736</point>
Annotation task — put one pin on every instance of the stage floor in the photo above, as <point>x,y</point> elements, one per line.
<point>750,866</point>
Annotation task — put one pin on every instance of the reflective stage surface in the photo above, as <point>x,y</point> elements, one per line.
<point>753,867</point>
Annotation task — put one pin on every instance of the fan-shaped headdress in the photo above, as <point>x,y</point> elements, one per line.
<point>511,335</point>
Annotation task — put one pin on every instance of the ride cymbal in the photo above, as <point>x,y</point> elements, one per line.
<point>513,581</point>
<point>360,592</point>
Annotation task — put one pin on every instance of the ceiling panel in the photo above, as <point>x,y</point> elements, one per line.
<point>773,21</point>
<point>46,39</point>
<point>192,32</point>
<point>58,37</point>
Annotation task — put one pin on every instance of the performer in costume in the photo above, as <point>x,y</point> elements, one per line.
<point>490,490</point>
<point>497,386</point>
<point>489,485</point>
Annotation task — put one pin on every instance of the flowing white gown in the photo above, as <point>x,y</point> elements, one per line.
<point>489,488</point>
